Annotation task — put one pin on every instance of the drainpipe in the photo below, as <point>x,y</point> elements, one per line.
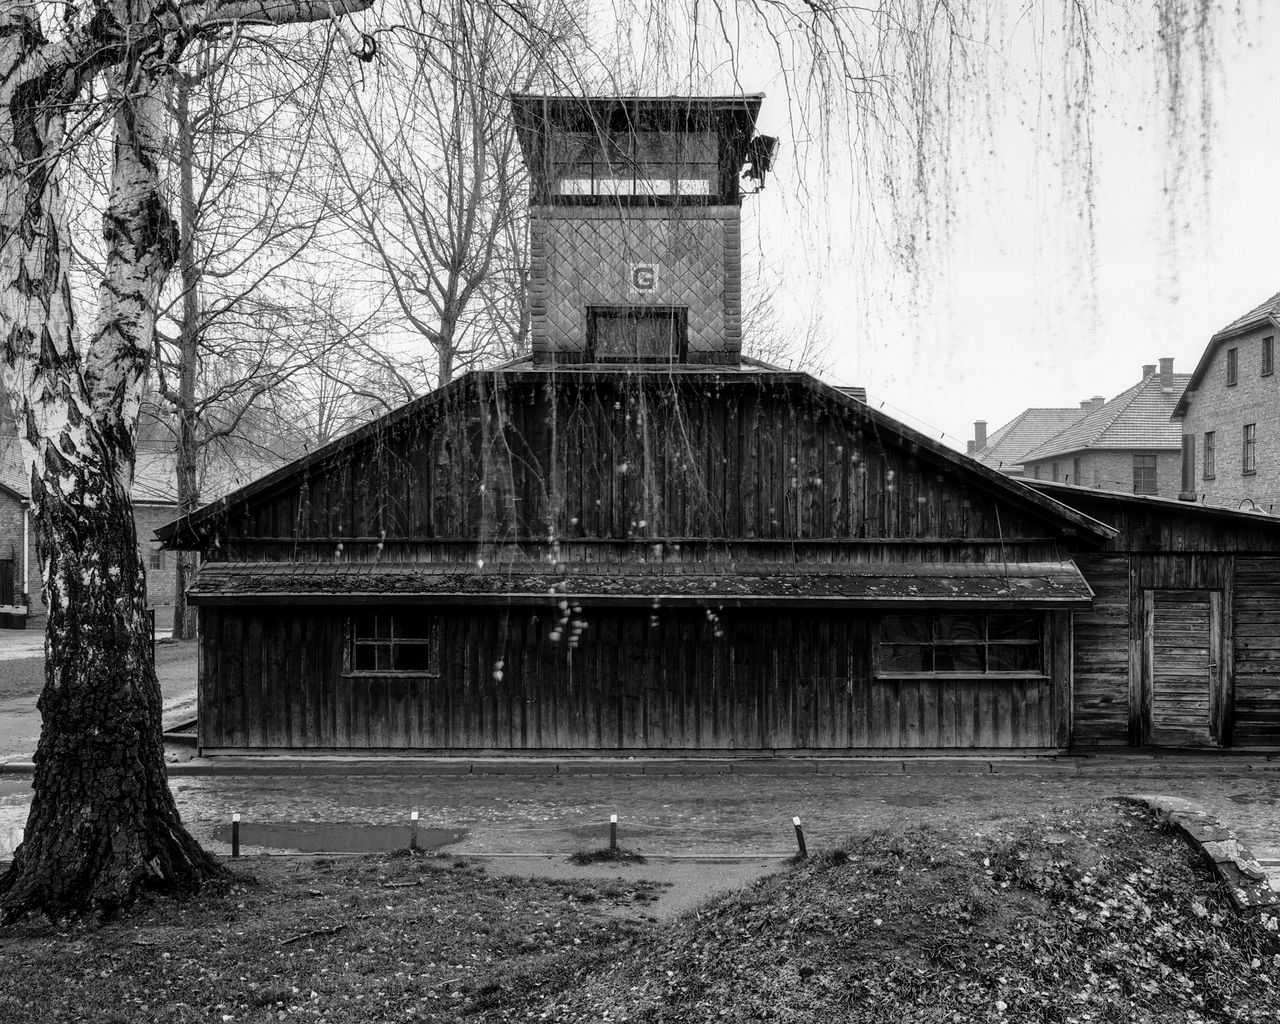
<point>1188,492</point>
<point>26,553</point>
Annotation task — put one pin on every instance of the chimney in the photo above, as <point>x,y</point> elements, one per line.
<point>979,434</point>
<point>1166,375</point>
<point>969,449</point>
<point>1148,369</point>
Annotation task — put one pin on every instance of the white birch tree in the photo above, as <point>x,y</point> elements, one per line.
<point>103,823</point>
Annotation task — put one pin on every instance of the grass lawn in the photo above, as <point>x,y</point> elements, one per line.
<point>1094,915</point>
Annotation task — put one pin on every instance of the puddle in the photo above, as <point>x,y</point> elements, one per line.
<point>333,837</point>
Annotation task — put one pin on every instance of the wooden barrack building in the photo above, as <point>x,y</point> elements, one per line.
<point>636,539</point>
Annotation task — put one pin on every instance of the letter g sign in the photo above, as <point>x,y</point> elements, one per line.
<point>644,277</point>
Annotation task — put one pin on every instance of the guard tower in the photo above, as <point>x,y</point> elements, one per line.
<point>635,224</point>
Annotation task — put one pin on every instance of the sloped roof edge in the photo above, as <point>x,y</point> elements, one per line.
<point>1030,499</point>
<point>1260,316</point>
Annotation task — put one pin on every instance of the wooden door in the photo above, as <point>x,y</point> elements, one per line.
<point>1184,628</point>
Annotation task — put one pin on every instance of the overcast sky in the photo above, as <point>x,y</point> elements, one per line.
<point>1021,305</point>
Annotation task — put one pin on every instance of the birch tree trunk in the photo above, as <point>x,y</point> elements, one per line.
<point>103,822</point>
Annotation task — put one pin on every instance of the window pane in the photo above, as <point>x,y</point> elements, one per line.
<point>413,657</point>
<point>905,629</point>
<point>906,658</point>
<point>1014,657</point>
<point>364,659</point>
<point>1013,627</point>
<point>363,624</point>
<point>958,658</point>
<point>958,627</point>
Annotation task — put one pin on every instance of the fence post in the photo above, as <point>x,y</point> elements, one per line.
<point>804,852</point>
<point>413,830</point>
<point>235,835</point>
<point>613,831</point>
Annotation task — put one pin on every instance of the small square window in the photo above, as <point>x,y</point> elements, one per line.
<point>394,643</point>
<point>1144,474</point>
<point>1268,356</point>
<point>1249,464</point>
<point>1233,366</point>
<point>1210,453</point>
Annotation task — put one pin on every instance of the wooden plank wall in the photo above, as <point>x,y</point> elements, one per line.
<point>1101,687</point>
<point>1257,651</point>
<point>647,456</point>
<point>681,681</point>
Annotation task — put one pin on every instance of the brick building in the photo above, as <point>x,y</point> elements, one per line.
<point>1128,443</point>
<point>1003,450</point>
<point>1229,416</point>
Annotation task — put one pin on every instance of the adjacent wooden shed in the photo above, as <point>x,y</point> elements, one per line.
<point>680,559</point>
<point>1182,644</point>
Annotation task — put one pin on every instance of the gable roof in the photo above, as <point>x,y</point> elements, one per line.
<point>1264,314</point>
<point>1026,431</point>
<point>187,530</point>
<point>14,476</point>
<point>1135,419</point>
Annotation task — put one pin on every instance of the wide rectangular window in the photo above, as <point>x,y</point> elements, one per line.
<point>1249,463</point>
<point>1144,474</point>
<point>394,643</point>
<point>1210,453</point>
<point>960,645</point>
<point>1268,356</point>
<point>637,333</point>
<point>1233,365</point>
<point>645,166</point>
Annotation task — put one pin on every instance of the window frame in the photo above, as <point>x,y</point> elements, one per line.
<point>1249,450</point>
<point>679,313</point>
<point>155,558</point>
<point>1040,644</point>
<point>353,641</point>
<point>1233,367</point>
<point>1153,468</point>
<point>1268,356</point>
<point>1210,454</point>
<point>1075,471</point>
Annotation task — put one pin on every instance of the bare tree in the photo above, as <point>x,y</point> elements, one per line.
<point>103,822</point>
<point>433,180</point>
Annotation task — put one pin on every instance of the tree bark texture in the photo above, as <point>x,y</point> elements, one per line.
<point>103,823</point>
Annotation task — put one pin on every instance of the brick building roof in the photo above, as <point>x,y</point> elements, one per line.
<point>1135,419</point>
<point>1261,315</point>
<point>1028,430</point>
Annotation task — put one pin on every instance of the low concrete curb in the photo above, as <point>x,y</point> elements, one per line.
<point>1247,881</point>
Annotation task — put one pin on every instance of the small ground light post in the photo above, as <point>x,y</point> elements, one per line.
<point>804,852</point>
<point>613,831</point>
<point>413,830</point>
<point>235,835</point>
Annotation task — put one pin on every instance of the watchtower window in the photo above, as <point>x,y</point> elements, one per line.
<point>637,333</point>
<point>649,166</point>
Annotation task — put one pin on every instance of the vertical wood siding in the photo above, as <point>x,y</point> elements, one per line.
<point>503,458</point>
<point>681,680</point>
<point>1257,651</point>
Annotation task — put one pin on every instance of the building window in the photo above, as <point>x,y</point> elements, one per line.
<point>1035,471</point>
<point>155,558</point>
<point>1233,365</point>
<point>1210,453</point>
<point>1053,466</point>
<point>1144,474</point>
<point>960,645</point>
<point>1075,471</point>
<point>1268,356</point>
<point>394,643</point>
<point>650,166</point>
<point>1250,461</point>
<point>637,333</point>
